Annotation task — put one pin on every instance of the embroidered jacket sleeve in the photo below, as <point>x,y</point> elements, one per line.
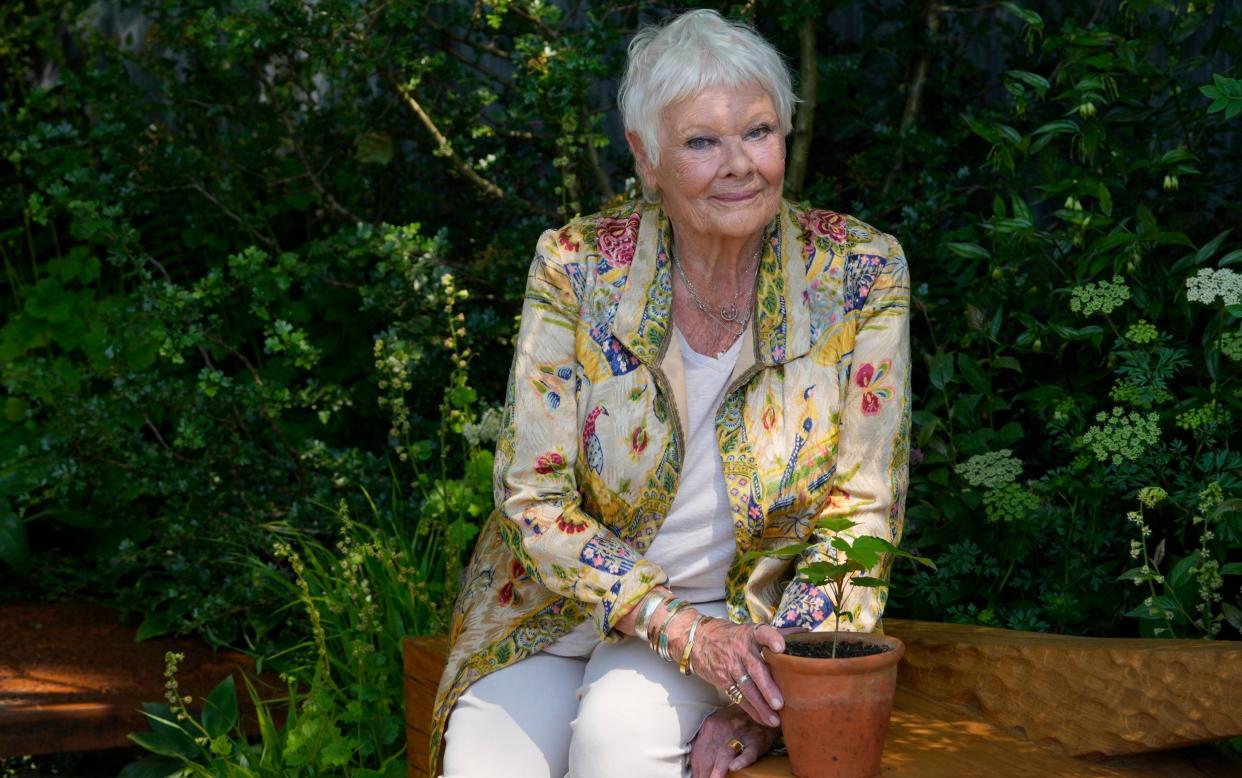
<point>543,450</point>
<point>873,448</point>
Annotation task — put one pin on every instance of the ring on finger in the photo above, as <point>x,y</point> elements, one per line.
<point>745,677</point>
<point>737,746</point>
<point>735,694</point>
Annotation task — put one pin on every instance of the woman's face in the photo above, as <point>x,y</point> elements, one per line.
<point>722,162</point>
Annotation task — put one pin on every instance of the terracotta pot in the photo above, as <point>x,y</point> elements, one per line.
<point>836,711</point>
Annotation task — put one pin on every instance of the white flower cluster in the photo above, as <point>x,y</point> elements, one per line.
<point>486,431</point>
<point>1206,285</point>
<point>1102,297</point>
<point>993,469</point>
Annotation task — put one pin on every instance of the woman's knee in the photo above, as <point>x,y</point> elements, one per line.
<point>514,722</point>
<point>628,724</point>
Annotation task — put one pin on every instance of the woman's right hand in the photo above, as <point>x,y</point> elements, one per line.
<point>725,654</point>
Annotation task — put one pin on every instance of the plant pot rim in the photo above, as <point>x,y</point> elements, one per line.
<point>845,665</point>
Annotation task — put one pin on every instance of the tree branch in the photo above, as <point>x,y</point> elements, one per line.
<point>327,196</point>
<point>446,149</point>
<point>914,94</point>
<point>804,123</point>
<point>601,178</point>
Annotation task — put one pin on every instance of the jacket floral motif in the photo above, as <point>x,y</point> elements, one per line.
<point>815,423</point>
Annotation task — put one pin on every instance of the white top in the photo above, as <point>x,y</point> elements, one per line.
<point>695,543</point>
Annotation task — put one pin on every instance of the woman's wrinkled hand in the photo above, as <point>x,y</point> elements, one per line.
<point>711,756</point>
<point>725,654</point>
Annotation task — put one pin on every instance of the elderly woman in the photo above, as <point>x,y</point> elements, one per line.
<point>698,375</point>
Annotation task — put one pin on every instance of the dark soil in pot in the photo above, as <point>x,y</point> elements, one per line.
<point>845,649</point>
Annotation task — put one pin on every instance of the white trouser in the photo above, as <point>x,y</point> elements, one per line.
<point>622,712</point>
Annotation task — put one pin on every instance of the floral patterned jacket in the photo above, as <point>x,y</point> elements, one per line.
<point>815,423</point>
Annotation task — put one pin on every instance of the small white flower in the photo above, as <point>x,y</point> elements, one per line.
<point>1207,284</point>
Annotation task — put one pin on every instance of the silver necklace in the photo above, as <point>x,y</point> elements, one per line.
<point>729,312</point>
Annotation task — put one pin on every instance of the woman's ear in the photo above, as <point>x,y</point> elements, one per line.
<point>646,173</point>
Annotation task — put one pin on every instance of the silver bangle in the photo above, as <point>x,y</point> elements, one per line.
<point>647,609</point>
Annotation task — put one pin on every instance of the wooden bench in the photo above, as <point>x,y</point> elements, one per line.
<point>73,679</point>
<point>977,701</point>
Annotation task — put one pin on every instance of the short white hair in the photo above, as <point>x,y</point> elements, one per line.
<point>697,50</point>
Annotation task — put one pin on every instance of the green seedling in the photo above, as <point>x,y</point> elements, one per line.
<point>853,559</point>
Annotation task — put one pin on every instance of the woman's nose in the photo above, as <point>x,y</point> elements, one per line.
<point>737,160</point>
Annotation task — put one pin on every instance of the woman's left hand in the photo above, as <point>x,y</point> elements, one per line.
<point>712,756</point>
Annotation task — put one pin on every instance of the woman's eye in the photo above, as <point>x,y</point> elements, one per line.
<point>699,144</point>
<point>759,132</point>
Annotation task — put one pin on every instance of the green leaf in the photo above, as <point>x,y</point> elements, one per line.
<point>835,524</point>
<point>1106,199</point>
<point>1179,576</point>
<point>1230,258</point>
<point>1057,127</point>
<point>1232,615</point>
<point>922,560</point>
<point>969,250</point>
<point>818,572</point>
<point>1210,248</point>
<point>868,582</point>
<point>1161,607</point>
<point>784,552</point>
<point>1027,16</point>
<point>220,709</point>
<point>154,624</point>
<point>1233,568</point>
<point>973,373</point>
<point>375,148</point>
<point>14,544</point>
<point>158,743</point>
<point>941,369</point>
<point>1030,79</point>
<point>868,549</point>
<point>153,767</point>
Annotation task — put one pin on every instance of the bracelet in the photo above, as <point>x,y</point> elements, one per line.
<point>662,644</point>
<point>684,666</point>
<point>671,607</point>
<point>647,609</point>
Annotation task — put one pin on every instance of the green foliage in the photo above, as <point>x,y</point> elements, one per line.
<point>1225,94</point>
<point>1093,346</point>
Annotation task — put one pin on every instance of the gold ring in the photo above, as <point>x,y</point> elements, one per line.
<point>737,746</point>
<point>735,694</point>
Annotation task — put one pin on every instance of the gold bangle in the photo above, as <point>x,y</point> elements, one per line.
<point>684,666</point>
<point>671,608</point>
<point>646,609</point>
<point>662,644</point>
